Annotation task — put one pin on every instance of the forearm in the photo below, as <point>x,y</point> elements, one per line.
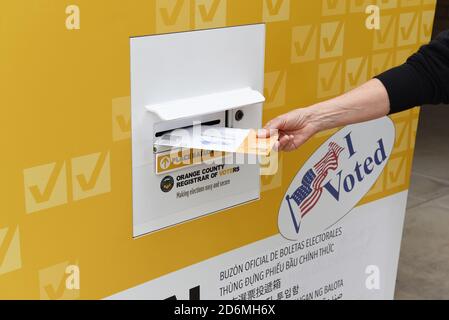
<point>367,102</point>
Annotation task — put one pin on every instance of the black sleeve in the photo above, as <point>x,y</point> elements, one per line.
<point>423,79</point>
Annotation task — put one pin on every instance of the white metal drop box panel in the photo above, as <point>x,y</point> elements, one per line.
<point>210,77</point>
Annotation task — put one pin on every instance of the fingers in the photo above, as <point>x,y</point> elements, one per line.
<point>272,127</point>
<point>264,133</point>
<point>283,141</point>
<point>291,146</point>
<point>290,142</point>
<point>277,123</point>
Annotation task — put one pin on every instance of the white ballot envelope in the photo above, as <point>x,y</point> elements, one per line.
<point>231,140</point>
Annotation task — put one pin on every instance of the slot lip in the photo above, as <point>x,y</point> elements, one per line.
<point>206,123</point>
<point>206,104</point>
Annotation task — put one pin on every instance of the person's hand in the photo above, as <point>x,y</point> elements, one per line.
<point>294,129</point>
<point>368,102</point>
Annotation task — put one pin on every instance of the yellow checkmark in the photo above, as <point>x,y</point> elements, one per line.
<point>329,79</point>
<point>333,7</point>
<point>272,172</point>
<point>402,124</point>
<point>121,118</point>
<point>378,186</point>
<point>304,43</point>
<point>397,171</point>
<point>45,186</point>
<point>356,72</point>
<point>415,120</point>
<point>52,283</point>
<point>91,175</point>
<point>384,37</point>
<point>10,256</point>
<point>427,18</point>
<point>275,89</point>
<point>332,39</point>
<point>381,62</point>
<point>210,14</point>
<point>408,28</point>
<point>172,15</point>
<point>276,10</point>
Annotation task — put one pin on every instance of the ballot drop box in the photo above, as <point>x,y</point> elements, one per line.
<point>99,206</point>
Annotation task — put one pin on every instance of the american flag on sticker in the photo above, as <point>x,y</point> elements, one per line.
<point>309,192</point>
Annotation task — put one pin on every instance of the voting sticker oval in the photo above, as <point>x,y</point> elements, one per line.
<point>335,178</point>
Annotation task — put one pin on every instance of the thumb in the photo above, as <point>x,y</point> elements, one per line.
<point>277,123</point>
<point>272,127</point>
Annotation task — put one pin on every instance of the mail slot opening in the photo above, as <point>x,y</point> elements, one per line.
<point>207,123</point>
